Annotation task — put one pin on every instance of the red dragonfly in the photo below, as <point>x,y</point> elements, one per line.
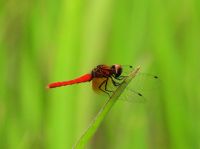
<point>104,78</point>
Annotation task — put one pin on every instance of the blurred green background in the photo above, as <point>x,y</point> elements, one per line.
<point>47,41</point>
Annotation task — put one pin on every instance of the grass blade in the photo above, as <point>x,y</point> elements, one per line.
<point>104,111</point>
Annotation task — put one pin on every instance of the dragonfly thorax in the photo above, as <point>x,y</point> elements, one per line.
<point>107,71</point>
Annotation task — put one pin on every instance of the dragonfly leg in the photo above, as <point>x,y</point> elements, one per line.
<point>105,90</point>
<point>114,82</point>
<point>120,77</point>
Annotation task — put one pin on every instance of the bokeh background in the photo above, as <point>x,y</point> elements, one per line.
<point>46,41</point>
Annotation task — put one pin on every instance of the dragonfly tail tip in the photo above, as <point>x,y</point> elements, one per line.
<point>48,87</point>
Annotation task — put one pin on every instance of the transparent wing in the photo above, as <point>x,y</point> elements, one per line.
<point>141,89</point>
<point>126,70</point>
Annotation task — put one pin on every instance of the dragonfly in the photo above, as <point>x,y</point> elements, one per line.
<point>105,79</point>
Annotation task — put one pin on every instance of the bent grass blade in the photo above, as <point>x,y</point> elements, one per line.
<point>90,131</point>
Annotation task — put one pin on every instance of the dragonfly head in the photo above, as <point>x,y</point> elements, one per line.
<point>117,70</point>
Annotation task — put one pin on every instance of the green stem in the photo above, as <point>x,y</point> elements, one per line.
<point>104,111</point>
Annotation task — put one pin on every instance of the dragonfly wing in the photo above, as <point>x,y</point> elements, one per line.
<point>141,89</point>
<point>126,70</point>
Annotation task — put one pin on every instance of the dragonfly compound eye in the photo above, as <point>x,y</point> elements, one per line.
<point>118,70</point>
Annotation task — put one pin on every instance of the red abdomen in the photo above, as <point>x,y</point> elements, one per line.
<point>84,78</point>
